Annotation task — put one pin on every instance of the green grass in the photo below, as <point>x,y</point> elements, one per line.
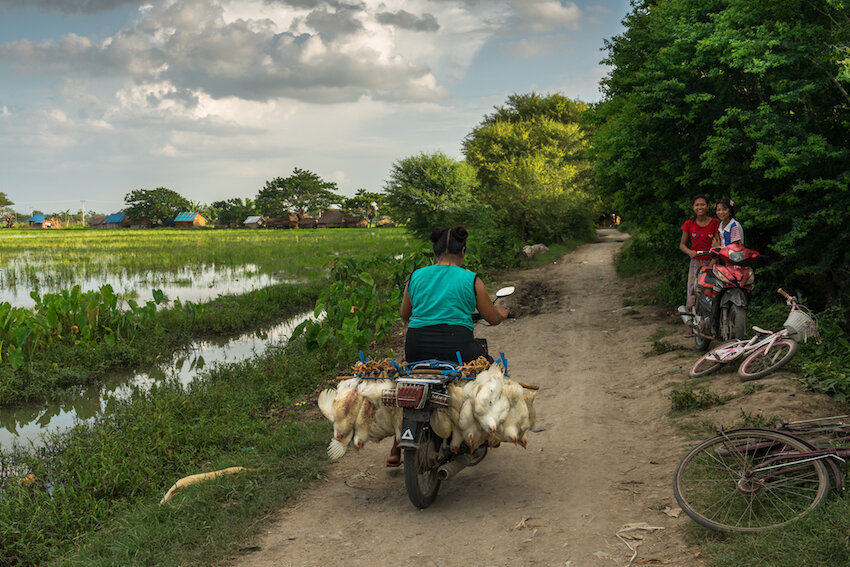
<point>60,258</point>
<point>95,497</point>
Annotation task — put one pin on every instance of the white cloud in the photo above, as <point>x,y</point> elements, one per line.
<point>544,16</point>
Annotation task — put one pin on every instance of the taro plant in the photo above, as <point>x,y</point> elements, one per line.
<point>71,317</point>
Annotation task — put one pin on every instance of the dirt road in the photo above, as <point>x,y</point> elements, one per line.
<point>603,457</point>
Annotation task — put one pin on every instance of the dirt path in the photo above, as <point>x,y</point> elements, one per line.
<point>604,457</point>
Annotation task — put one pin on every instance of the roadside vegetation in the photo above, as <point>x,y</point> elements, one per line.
<point>72,338</point>
<point>744,100</point>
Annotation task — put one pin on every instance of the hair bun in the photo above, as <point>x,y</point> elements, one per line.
<point>437,233</point>
<point>460,233</point>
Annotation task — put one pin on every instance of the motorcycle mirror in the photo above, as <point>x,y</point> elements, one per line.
<point>505,291</point>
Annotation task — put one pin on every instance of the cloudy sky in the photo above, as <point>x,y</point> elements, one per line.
<point>211,98</point>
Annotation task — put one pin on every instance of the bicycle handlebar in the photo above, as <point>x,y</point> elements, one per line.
<point>789,299</point>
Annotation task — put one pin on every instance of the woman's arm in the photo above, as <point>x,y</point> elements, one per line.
<point>406,307</point>
<point>492,314</point>
<point>683,246</point>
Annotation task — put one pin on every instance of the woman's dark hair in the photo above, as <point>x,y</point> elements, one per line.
<point>728,204</point>
<point>451,240</point>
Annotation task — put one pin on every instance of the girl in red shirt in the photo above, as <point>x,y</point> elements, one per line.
<point>697,234</point>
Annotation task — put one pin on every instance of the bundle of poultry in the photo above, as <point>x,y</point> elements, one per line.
<point>488,408</point>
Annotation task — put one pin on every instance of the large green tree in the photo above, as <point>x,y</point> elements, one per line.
<point>428,190</point>
<point>301,192</point>
<point>530,160</point>
<point>740,98</point>
<point>366,204</point>
<point>158,204</point>
<point>231,212</point>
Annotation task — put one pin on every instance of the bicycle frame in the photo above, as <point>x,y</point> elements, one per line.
<point>781,463</point>
<point>762,337</point>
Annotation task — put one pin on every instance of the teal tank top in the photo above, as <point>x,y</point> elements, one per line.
<point>442,295</point>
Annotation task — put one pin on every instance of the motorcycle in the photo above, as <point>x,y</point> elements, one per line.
<point>427,457</point>
<point>722,296</point>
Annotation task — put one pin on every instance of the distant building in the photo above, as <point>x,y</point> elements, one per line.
<point>286,221</point>
<point>307,222</point>
<point>43,221</point>
<point>254,222</point>
<point>117,220</point>
<point>336,218</point>
<point>97,221</point>
<point>189,220</point>
<point>385,223</point>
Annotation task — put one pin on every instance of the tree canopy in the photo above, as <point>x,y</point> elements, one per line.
<point>428,190</point>
<point>530,159</point>
<point>301,192</point>
<point>365,204</point>
<point>739,98</point>
<point>158,204</point>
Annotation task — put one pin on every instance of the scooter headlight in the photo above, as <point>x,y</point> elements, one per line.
<point>737,255</point>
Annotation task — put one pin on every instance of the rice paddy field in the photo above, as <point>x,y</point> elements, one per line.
<point>194,265</point>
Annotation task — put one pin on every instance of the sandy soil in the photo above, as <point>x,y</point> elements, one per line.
<point>603,457</point>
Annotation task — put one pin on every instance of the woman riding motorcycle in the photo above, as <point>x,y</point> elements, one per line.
<point>438,304</point>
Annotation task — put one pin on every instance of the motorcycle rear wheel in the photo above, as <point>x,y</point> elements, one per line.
<point>420,471</point>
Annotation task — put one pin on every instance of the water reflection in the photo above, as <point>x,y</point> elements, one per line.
<point>25,425</point>
<point>196,283</point>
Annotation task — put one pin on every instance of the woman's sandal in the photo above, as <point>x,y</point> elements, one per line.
<point>394,461</point>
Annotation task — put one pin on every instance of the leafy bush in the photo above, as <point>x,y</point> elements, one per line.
<point>363,302</point>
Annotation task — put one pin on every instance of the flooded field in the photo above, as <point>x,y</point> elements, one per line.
<point>25,425</point>
<point>192,265</point>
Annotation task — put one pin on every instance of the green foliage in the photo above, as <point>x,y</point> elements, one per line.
<point>429,190</point>
<point>158,204</point>
<point>362,304</point>
<point>365,204</point>
<point>530,160</point>
<point>301,192</point>
<point>740,98</point>
<point>231,213</point>
<point>94,491</point>
<point>825,367</point>
<point>688,399</point>
<point>69,317</point>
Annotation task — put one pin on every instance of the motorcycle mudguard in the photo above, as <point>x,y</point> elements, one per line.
<point>734,295</point>
<point>411,428</point>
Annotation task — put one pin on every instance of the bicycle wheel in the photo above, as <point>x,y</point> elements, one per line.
<point>763,361</point>
<point>749,480</point>
<point>705,366</point>
<point>420,471</point>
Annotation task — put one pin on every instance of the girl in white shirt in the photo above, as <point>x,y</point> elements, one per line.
<point>730,230</point>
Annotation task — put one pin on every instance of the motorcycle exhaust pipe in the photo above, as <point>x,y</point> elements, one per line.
<point>448,470</point>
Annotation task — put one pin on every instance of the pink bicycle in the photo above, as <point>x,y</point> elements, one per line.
<point>766,351</point>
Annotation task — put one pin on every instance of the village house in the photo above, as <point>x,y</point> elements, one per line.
<point>189,220</point>
<point>336,218</point>
<point>43,221</point>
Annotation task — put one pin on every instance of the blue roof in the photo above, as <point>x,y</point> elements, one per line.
<point>37,218</point>
<point>115,217</point>
<point>185,217</point>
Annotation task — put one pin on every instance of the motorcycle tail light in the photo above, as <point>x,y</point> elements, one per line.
<point>438,399</point>
<point>389,398</point>
<point>410,395</point>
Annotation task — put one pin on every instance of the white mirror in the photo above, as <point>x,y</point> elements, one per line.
<point>505,291</point>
